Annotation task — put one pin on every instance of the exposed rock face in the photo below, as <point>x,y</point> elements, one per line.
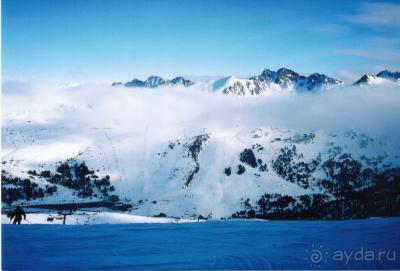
<point>156,81</point>
<point>394,76</point>
<point>115,84</point>
<point>247,157</point>
<point>180,80</point>
<point>135,83</point>
<point>366,79</point>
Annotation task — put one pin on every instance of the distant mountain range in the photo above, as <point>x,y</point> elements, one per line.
<point>155,81</point>
<point>380,77</point>
<point>267,82</point>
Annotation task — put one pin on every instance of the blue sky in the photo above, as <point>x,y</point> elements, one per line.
<point>98,40</point>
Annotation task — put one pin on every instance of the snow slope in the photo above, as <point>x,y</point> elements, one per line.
<point>93,217</point>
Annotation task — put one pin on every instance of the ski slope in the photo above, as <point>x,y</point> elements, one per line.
<point>238,244</point>
<point>89,217</point>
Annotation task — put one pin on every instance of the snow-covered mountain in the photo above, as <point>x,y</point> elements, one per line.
<point>206,155</point>
<point>369,79</point>
<point>393,76</point>
<point>381,77</point>
<point>155,81</point>
<point>180,80</point>
<point>242,87</point>
<point>270,173</point>
<point>269,81</point>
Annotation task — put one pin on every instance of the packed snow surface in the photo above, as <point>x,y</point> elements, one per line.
<point>93,217</point>
<point>219,245</point>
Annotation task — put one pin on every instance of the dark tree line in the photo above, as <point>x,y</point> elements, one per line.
<point>79,177</point>
<point>380,199</point>
<point>15,188</point>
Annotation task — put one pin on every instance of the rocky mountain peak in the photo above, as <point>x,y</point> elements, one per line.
<point>281,79</point>
<point>155,81</point>
<point>387,74</point>
<point>181,80</point>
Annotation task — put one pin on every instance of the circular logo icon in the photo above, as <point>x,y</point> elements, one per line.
<point>316,256</point>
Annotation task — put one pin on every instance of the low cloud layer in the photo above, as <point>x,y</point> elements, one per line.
<point>177,112</point>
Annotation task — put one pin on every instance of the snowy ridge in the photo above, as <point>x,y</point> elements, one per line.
<point>269,81</point>
<point>243,87</point>
<point>393,76</point>
<point>382,77</point>
<point>155,81</point>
